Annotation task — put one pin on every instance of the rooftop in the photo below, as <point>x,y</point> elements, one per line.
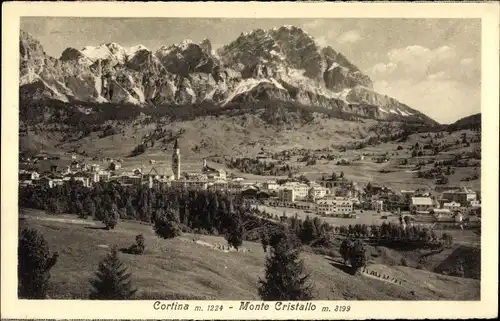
<point>421,201</point>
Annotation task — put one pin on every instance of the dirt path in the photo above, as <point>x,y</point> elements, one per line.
<point>61,220</point>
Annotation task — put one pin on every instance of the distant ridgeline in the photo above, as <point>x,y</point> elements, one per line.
<point>100,112</point>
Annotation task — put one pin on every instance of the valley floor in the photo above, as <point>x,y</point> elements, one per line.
<point>181,268</point>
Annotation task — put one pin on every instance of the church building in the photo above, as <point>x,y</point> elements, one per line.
<point>176,161</point>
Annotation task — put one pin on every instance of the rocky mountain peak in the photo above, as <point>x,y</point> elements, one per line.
<point>29,47</point>
<point>206,45</point>
<point>283,63</point>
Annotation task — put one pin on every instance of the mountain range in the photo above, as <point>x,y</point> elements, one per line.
<point>279,64</point>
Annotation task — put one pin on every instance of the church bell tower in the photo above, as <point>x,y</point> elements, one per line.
<point>176,161</point>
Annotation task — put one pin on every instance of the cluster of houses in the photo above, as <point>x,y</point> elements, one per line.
<point>457,203</point>
<point>86,174</point>
<point>451,204</point>
<point>322,198</point>
<point>312,197</point>
<point>460,200</point>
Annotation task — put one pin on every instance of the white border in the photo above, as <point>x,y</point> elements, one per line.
<point>488,12</point>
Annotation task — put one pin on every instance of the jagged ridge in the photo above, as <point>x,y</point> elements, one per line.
<point>277,64</point>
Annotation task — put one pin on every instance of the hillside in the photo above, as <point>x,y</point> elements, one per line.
<point>268,124</point>
<point>180,268</point>
<point>470,122</point>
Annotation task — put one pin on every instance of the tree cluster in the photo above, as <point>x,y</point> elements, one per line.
<point>257,167</point>
<point>354,253</point>
<point>170,210</point>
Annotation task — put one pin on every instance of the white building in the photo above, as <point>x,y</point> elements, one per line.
<point>316,191</point>
<point>421,204</point>
<point>213,173</point>
<point>462,196</point>
<point>190,184</point>
<point>378,205</point>
<point>475,203</point>
<point>28,175</point>
<point>235,187</point>
<point>300,190</point>
<point>218,185</point>
<point>270,185</point>
<point>407,192</point>
<point>452,206</point>
<point>339,205</point>
<point>130,179</point>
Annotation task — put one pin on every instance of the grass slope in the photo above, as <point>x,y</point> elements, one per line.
<point>181,268</point>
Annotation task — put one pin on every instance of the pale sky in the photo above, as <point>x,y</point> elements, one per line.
<point>432,65</point>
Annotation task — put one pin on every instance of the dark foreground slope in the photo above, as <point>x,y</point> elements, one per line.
<point>181,268</point>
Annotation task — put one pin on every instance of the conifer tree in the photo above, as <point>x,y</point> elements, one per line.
<point>307,233</point>
<point>112,280</point>
<point>345,249</point>
<point>111,216</point>
<point>34,265</point>
<point>358,256</point>
<point>264,238</point>
<point>236,231</point>
<point>285,278</point>
<point>130,210</point>
<point>78,207</point>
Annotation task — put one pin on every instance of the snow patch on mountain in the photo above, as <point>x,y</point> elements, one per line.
<point>95,53</point>
<point>344,93</point>
<point>249,84</point>
<point>134,49</point>
<point>333,66</point>
<point>296,78</point>
<point>276,54</point>
<point>404,113</point>
<point>111,51</point>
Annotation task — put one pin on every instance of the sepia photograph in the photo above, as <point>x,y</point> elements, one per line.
<point>290,160</point>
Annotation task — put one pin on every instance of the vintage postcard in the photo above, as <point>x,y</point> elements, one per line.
<point>249,160</point>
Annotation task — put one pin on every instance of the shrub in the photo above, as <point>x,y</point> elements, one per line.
<point>34,265</point>
<point>138,247</point>
<point>167,225</point>
<point>112,280</point>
